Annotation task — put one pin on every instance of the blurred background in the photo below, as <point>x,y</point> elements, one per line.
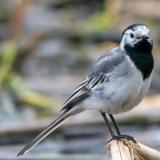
<point>46,49</point>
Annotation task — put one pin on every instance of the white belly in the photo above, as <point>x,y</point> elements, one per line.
<point>119,95</point>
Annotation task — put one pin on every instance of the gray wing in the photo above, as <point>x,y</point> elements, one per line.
<point>103,65</point>
<point>83,91</point>
<point>108,61</point>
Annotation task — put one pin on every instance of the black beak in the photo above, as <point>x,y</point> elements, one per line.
<point>145,37</point>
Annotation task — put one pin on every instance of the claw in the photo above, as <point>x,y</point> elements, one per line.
<point>122,137</point>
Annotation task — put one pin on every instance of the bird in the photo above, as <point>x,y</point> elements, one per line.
<point>116,83</point>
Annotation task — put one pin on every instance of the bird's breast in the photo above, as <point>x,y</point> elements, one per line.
<point>122,89</point>
<point>125,92</point>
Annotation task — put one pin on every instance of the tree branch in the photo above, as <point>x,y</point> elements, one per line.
<point>124,149</point>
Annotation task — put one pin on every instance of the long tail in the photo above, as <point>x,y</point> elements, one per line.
<point>45,133</point>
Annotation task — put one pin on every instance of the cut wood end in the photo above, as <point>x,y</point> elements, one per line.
<point>124,149</point>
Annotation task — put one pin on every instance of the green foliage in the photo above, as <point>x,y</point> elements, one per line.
<point>8,56</point>
<point>106,18</point>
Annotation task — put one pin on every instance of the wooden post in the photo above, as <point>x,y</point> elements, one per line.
<point>124,149</point>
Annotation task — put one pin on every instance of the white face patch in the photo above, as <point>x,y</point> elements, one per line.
<point>126,39</point>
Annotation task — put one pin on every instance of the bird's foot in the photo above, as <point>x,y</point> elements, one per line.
<point>119,137</point>
<point>127,137</point>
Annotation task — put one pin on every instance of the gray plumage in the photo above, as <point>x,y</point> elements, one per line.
<point>115,84</point>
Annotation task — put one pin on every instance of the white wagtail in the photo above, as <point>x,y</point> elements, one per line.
<point>118,81</point>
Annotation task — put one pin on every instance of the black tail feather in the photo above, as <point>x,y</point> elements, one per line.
<point>44,133</point>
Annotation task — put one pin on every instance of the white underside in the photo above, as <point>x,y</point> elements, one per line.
<point>124,90</point>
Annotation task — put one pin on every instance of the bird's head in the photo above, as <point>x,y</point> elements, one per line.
<point>137,37</point>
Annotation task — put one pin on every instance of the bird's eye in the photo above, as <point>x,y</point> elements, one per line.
<point>131,35</point>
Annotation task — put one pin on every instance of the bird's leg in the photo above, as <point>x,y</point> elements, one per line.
<point>108,124</point>
<point>115,124</point>
<point>118,132</point>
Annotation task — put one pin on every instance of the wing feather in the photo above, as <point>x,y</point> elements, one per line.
<point>83,91</point>
<point>103,65</point>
